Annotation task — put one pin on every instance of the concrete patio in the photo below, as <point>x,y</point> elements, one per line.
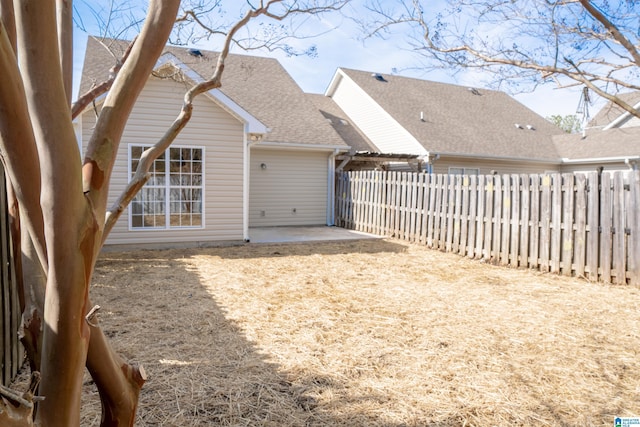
<point>305,234</point>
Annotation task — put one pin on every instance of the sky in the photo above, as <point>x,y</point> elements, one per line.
<point>339,44</point>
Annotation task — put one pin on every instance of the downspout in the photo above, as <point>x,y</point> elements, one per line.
<point>331,186</point>
<point>631,164</point>
<point>246,176</point>
<point>430,160</point>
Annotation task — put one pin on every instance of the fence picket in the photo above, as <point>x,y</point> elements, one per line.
<point>580,233</point>
<point>619,254</point>
<point>514,244</point>
<point>505,221</point>
<point>583,224</point>
<point>481,217</point>
<point>545,224</point>
<point>556,222</point>
<point>567,222</point>
<point>451,204</point>
<point>593,224</point>
<point>606,221</point>
<point>413,181</point>
<point>473,213</point>
<point>426,189</point>
<point>496,221</point>
<point>464,216</point>
<point>535,216</point>
<point>525,223</point>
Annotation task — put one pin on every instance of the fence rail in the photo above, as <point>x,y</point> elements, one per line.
<point>585,225</point>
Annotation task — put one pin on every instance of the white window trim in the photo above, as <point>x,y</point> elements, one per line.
<point>167,200</point>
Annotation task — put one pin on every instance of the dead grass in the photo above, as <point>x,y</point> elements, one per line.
<point>367,333</point>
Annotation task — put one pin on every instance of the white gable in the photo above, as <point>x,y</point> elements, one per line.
<point>382,129</point>
<point>252,124</point>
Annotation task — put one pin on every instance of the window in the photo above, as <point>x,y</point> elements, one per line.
<point>173,196</point>
<point>463,171</point>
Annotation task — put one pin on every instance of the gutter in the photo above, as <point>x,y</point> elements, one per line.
<point>482,157</point>
<point>622,118</point>
<point>628,160</point>
<point>295,145</point>
<point>249,141</point>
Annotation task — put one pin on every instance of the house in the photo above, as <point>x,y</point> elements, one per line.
<point>461,130</point>
<point>613,116</point>
<point>611,140</point>
<point>260,152</point>
<point>256,152</point>
<point>453,128</point>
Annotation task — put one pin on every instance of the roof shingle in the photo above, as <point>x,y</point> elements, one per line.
<point>261,86</point>
<point>461,120</point>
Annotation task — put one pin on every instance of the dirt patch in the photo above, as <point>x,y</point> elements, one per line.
<point>375,333</point>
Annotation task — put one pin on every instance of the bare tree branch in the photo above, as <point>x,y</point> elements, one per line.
<point>613,30</point>
<point>102,88</point>
<point>530,41</point>
<point>64,14</point>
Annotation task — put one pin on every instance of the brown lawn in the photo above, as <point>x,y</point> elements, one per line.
<point>365,333</point>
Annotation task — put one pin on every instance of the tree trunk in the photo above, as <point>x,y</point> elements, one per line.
<point>118,383</point>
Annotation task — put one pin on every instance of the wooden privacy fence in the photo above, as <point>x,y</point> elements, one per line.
<point>11,352</point>
<point>587,224</point>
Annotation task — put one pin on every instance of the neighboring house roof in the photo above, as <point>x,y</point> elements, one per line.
<point>612,112</point>
<point>619,143</point>
<point>458,120</point>
<point>261,86</point>
<point>341,123</point>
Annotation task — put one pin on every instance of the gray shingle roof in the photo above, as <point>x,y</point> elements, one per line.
<point>619,142</point>
<point>261,86</point>
<point>341,123</point>
<point>459,120</point>
<point>612,111</point>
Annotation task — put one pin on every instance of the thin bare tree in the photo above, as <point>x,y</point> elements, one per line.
<point>595,44</point>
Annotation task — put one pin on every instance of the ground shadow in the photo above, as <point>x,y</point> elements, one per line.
<point>202,368</point>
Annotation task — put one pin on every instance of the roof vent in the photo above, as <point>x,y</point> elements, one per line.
<point>474,91</point>
<point>195,52</point>
<point>378,77</point>
<point>518,126</point>
<point>530,127</point>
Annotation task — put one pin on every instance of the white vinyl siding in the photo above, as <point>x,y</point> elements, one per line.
<point>212,128</point>
<point>290,189</point>
<point>385,133</point>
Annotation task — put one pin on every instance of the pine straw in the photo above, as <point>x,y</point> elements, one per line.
<point>375,333</point>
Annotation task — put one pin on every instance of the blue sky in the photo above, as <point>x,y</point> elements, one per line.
<point>339,44</point>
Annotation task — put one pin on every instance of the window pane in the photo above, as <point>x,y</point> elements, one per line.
<point>176,175</point>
